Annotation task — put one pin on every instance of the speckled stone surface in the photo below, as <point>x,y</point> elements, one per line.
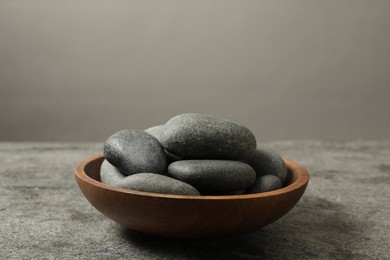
<point>172,158</point>
<point>135,151</point>
<point>266,161</point>
<point>265,183</point>
<point>197,136</point>
<point>344,213</point>
<point>156,131</point>
<point>213,175</point>
<point>156,183</point>
<point>109,174</point>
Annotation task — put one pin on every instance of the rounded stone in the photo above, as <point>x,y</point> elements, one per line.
<point>198,136</point>
<point>109,174</point>
<point>267,162</point>
<point>265,183</point>
<point>156,131</point>
<point>135,151</point>
<point>213,175</point>
<point>156,183</point>
<point>172,158</point>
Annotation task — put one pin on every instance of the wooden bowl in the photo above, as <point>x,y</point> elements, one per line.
<point>182,216</point>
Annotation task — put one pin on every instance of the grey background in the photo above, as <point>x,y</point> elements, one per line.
<point>81,70</point>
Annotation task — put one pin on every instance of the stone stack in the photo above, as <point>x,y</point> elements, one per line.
<point>192,154</point>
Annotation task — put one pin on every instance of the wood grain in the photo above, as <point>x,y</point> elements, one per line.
<point>183,216</point>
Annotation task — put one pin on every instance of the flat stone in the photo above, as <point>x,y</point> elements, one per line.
<point>156,183</point>
<point>135,151</point>
<point>156,131</point>
<point>265,183</point>
<point>267,162</point>
<point>213,175</point>
<point>198,136</point>
<point>109,174</point>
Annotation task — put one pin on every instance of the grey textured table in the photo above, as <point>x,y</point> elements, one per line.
<point>344,214</point>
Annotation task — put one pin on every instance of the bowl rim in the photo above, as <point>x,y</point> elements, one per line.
<point>302,180</point>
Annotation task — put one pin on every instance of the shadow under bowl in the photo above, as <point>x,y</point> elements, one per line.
<point>183,216</point>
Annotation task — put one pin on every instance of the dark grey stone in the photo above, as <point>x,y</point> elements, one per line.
<point>265,183</point>
<point>135,151</point>
<point>213,175</point>
<point>197,136</point>
<point>109,174</point>
<point>156,183</point>
<point>267,162</point>
<point>156,131</point>
<point>172,158</point>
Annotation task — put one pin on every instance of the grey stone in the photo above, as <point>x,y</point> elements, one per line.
<point>109,174</point>
<point>265,183</point>
<point>135,151</point>
<point>156,131</point>
<point>44,215</point>
<point>172,158</point>
<point>267,162</point>
<point>156,183</point>
<point>213,175</point>
<point>198,136</point>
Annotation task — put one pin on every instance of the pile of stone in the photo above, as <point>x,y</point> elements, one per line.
<point>192,154</point>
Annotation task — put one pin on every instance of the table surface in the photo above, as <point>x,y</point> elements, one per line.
<point>344,213</point>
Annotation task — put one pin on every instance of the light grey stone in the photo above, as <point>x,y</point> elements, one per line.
<point>156,131</point>
<point>156,183</point>
<point>213,175</point>
<point>198,136</point>
<point>109,174</point>
<point>265,183</point>
<point>267,162</point>
<point>135,151</point>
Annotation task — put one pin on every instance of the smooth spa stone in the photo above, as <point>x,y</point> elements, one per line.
<point>135,151</point>
<point>198,136</point>
<point>156,131</point>
<point>213,175</point>
<point>267,162</point>
<point>109,174</point>
<point>156,183</point>
<point>172,158</point>
<point>265,183</point>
